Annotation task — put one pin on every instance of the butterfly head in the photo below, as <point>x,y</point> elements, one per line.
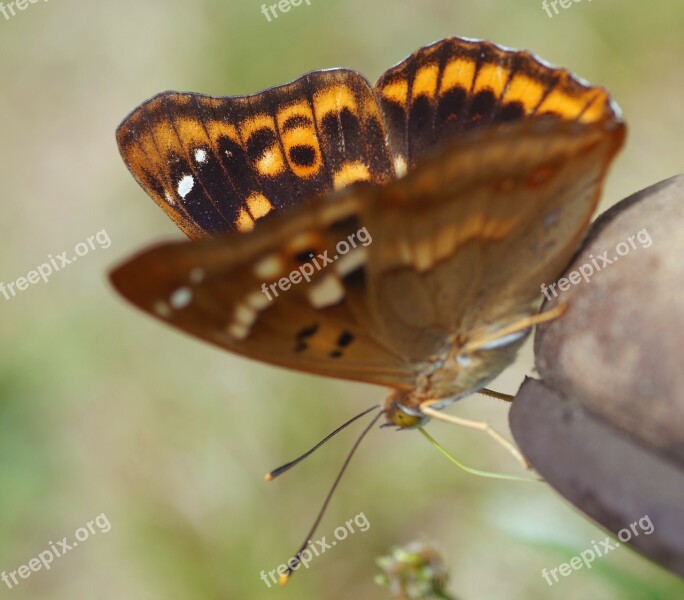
<point>399,412</point>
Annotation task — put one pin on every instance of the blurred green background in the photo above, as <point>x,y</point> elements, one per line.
<point>103,410</point>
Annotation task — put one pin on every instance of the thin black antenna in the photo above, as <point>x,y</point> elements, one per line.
<point>295,560</point>
<point>280,470</point>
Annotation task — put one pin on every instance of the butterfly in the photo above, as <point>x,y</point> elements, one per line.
<point>395,234</point>
<point>471,170</point>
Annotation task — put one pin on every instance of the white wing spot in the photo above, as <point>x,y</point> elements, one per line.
<point>422,257</point>
<point>400,166</point>
<point>244,315</point>
<point>169,199</point>
<point>185,185</point>
<point>269,267</point>
<point>180,298</point>
<point>200,156</point>
<point>326,293</point>
<point>238,331</point>
<point>258,300</point>
<point>350,262</point>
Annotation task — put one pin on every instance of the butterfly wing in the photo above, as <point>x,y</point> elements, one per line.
<point>455,85</point>
<point>462,244</point>
<point>481,225</point>
<point>220,164</point>
<point>237,292</point>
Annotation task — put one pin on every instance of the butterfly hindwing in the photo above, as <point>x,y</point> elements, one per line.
<point>456,84</point>
<point>220,164</point>
<point>237,292</point>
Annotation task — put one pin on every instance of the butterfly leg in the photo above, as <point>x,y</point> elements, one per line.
<point>433,413</point>
<point>517,326</point>
<point>497,395</point>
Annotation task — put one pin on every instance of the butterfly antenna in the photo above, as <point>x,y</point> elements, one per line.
<point>292,564</point>
<point>286,467</point>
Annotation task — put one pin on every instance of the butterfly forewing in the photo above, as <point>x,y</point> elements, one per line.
<point>221,164</point>
<point>454,85</point>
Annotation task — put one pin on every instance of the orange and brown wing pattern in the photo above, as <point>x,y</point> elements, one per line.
<point>456,84</point>
<point>221,164</point>
<point>271,295</point>
<point>460,245</point>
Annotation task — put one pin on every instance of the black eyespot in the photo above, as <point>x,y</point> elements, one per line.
<point>336,124</point>
<point>356,278</point>
<point>512,111</point>
<point>451,104</point>
<point>305,255</point>
<point>345,339</point>
<point>259,142</point>
<point>306,332</point>
<point>482,105</point>
<point>303,156</point>
<point>296,121</point>
<point>346,224</point>
<point>420,113</point>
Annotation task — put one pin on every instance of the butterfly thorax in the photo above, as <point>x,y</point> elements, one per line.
<point>454,375</point>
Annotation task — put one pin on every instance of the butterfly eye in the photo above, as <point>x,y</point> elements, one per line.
<point>399,417</point>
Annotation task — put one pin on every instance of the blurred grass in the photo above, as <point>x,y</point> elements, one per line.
<point>103,410</point>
